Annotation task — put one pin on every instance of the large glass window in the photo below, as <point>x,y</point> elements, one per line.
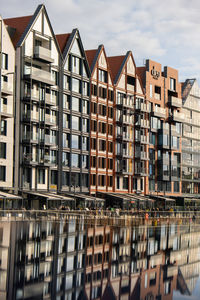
<point>85,180</point>
<point>70,263</point>
<point>75,161</point>
<point>71,244</point>
<point>65,178</point>
<point>65,159</point>
<point>75,123</point>
<point>75,85</point>
<point>75,142</point>
<point>75,64</point>
<point>84,143</point>
<point>3,127</point>
<point>75,104</point>
<point>41,176</point>
<point>66,82</point>
<point>85,125</point>
<point>84,159</point>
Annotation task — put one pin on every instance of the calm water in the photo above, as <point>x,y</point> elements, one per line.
<point>85,258</point>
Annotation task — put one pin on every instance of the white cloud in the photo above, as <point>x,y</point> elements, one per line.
<point>167,31</point>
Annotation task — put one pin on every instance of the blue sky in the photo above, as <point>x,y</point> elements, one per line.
<point>165,31</point>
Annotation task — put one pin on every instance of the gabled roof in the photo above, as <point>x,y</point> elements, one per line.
<point>23,25</point>
<point>62,40</point>
<point>90,56</point>
<point>69,44</point>
<point>116,66</point>
<point>19,24</point>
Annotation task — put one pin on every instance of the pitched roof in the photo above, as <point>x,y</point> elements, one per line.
<point>62,40</point>
<point>115,62</point>
<point>141,74</point>
<point>90,56</point>
<point>20,24</point>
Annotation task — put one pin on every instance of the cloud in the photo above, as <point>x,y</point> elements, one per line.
<point>167,31</point>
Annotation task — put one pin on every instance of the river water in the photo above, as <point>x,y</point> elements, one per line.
<point>81,257</point>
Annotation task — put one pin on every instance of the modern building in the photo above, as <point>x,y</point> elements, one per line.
<point>163,91</point>
<point>191,138</point>
<point>74,108</point>
<point>37,61</point>
<point>102,122</point>
<point>7,94</point>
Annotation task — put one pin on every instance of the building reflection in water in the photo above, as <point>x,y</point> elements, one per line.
<point>76,258</point>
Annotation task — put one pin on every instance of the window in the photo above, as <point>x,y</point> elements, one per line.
<point>85,125</point>
<point>55,77</point>
<point>75,161</point>
<point>93,161</point>
<point>5,61</point>
<point>93,144</point>
<point>94,90</point>
<point>3,150</point>
<point>102,92</point>
<point>54,177</point>
<point>102,110</point>
<point>84,159</point>
<point>125,183</point>
<point>85,107</point>
<point>75,64</point>
<point>75,85</point>
<point>84,143</point>
<point>65,178</point>
<point>176,187</point>
<point>65,140</point>
<point>172,84</point>
<point>102,145</point>
<point>130,80</point>
<point>93,107</point>
<point>65,159</point>
<point>103,75</point>
<point>85,181</point>
<point>75,104</point>
<point>41,176</point>
<point>75,123</point>
<point>75,142</point>
<point>66,101</point>
<point>102,180</point>
<point>110,95</point>
<point>66,82</point>
<point>85,88</point>
<point>2,173</point>
<point>93,125</point>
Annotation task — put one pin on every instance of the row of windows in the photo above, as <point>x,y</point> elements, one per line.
<point>102,145</point>
<point>102,127</point>
<point>76,85</point>
<point>101,162</point>
<point>77,123</point>
<point>102,92</point>
<point>101,110</point>
<point>101,180</point>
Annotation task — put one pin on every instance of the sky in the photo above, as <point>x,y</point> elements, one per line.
<point>167,31</point>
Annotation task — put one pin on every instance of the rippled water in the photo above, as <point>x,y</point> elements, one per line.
<point>75,257</point>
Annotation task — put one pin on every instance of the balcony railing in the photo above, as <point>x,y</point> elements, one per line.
<point>50,119</point>
<point>43,53</point>
<point>144,139</point>
<point>39,75</point>
<point>5,109</point>
<point>145,123</point>
<point>176,102</point>
<point>159,112</point>
<point>145,107</point>
<point>50,99</point>
<point>6,88</point>
<point>50,139</point>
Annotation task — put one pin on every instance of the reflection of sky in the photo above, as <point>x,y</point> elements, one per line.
<point>195,294</point>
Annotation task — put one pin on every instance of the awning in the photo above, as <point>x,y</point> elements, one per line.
<point>9,196</point>
<point>85,197</point>
<point>49,196</point>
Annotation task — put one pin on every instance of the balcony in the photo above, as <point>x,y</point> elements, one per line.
<point>145,107</point>
<point>32,116</point>
<point>50,120</point>
<point>6,110</point>
<point>30,158</point>
<point>38,75</point>
<point>50,139</point>
<point>51,99</point>
<point>144,139</point>
<point>6,88</point>
<point>145,123</point>
<point>141,171</point>
<point>43,54</point>
<point>177,117</point>
<point>175,102</point>
<point>144,155</point>
<point>159,112</point>
<point>30,137</point>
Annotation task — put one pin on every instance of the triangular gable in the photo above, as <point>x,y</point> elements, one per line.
<point>69,47</point>
<point>25,24</point>
<point>91,57</point>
